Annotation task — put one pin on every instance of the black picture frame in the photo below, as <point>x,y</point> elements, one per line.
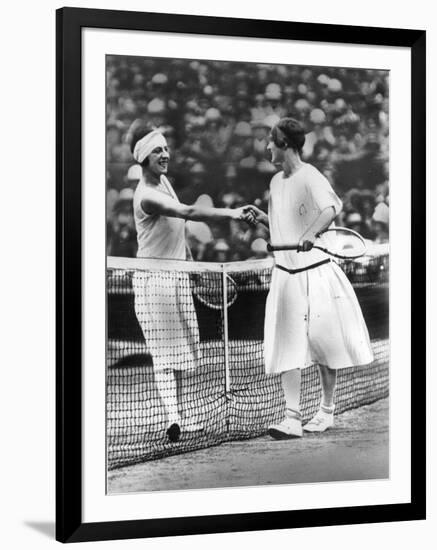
<point>69,524</point>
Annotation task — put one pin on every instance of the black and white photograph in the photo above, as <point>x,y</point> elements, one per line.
<point>247,274</point>
<point>240,275</point>
<point>218,280</point>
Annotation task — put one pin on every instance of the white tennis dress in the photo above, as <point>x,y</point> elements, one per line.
<point>163,300</point>
<point>312,316</point>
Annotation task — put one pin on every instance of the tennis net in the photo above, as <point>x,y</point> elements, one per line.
<point>222,387</point>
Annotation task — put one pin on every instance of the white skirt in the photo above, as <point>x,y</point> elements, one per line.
<point>314,317</point>
<point>165,311</point>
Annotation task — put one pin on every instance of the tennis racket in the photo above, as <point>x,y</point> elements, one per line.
<point>210,292</point>
<point>339,242</point>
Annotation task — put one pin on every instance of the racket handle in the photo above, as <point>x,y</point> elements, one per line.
<point>273,247</point>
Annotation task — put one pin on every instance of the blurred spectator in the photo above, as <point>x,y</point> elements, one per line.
<point>363,203</point>
<point>354,221</point>
<point>221,251</point>
<point>199,236</point>
<point>216,134</point>
<point>381,222</point>
<point>122,239</point>
<point>111,200</point>
<point>319,135</point>
<point>260,140</point>
<point>258,249</point>
<point>133,176</point>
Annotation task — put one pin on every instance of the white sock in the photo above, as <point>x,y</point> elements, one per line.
<point>167,388</point>
<point>327,410</point>
<point>292,413</point>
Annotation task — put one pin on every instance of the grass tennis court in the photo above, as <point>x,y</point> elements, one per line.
<point>356,448</point>
<point>137,422</point>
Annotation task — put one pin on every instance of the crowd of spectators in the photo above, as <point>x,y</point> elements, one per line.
<point>217,116</point>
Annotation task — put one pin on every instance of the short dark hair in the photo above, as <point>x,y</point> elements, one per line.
<point>289,132</point>
<point>137,132</point>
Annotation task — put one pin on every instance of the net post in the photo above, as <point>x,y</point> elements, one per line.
<point>226,332</point>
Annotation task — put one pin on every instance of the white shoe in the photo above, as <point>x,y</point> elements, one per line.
<point>321,422</point>
<point>289,428</point>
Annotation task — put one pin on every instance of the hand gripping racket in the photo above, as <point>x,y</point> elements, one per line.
<point>340,242</point>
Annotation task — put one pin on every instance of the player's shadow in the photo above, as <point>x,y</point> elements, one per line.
<point>47,528</point>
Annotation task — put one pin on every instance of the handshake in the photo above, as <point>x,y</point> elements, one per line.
<point>250,214</point>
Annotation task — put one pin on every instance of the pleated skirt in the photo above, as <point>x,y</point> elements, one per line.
<point>314,317</point>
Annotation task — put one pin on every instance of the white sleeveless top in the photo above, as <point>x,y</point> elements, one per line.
<point>158,236</point>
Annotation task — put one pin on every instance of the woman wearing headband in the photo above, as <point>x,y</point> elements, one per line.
<point>159,216</point>
<point>163,301</point>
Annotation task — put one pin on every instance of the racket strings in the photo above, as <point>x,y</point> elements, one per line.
<point>210,291</point>
<point>339,242</point>
<point>342,243</point>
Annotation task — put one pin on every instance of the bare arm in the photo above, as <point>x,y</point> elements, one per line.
<point>324,220</point>
<point>159,203</point>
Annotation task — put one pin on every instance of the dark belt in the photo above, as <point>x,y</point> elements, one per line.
<point>293,271</point>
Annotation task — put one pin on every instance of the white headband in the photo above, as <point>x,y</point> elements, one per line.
<point>145,145</point>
